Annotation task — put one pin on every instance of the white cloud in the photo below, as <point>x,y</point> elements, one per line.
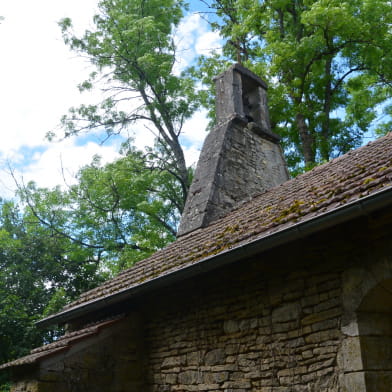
<point>191,156</point>
<point>66,159</point>
<point>194,131</point>
<point>37,73</point>
<point>56,165</point>
<point>38,79</point>
<point>193,38</point>
<point>208,42</point>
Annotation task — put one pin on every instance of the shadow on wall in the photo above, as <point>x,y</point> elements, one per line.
<point>367,347</point>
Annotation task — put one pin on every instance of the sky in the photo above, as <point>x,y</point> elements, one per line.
<point>38,84</point>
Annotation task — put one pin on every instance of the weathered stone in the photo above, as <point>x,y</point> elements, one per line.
<point>353,382</point>
<point>231,326</point>
<point>307,354</point>
<point>173,361</point>
<point>321,365</point>
<point>215,378</point>
<point>214,357</point>
<point>351,359</point>
<point>292,371</point>
<point>287,312</point>
<point>190,377</point>
<point>240,157</point>
<point>195,358</point>
<point>322,336</point>
<point>171,378</point>
<point>316,317</point>
<point>237,385</point>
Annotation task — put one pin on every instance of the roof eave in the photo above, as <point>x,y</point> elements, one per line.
<point>357,208</point>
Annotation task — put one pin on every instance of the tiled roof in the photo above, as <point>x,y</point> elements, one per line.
<point>62,344</point>
<point>357,174</point>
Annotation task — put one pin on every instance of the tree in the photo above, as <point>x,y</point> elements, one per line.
<point>39,271</point>
<point>327,62</point>
<point>120,212</point>
<point>133,51</point>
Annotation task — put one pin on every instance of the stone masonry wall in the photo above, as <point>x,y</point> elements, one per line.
<point>280,322</point>
<point>235,164</point>
<point>310,316</point>
<point>254,330</point>
<point>240,157</point>
<point>109,362</point>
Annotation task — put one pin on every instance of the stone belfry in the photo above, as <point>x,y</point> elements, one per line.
<point>240,157</point>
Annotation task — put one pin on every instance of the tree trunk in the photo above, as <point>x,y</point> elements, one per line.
<point>307,139</point>
<point>182,170</point>
<point>325,149</point>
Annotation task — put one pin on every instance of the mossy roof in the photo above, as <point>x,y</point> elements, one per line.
<point>349,178</point>
<point>359,173</point>
<point>63,344</point>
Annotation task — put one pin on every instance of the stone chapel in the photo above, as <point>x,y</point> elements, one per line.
<point>273,284</point>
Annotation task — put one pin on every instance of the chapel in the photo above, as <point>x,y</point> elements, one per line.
<point>273,284</point>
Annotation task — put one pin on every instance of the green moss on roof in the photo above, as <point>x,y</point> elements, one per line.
<point>323,189</point>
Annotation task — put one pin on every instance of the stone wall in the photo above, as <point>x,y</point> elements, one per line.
<point>272,324</point>
<point>311,316</point>
<point>251,332</point>
<point>240,158</point>
<point>111,361</point>
<point>238,161</point>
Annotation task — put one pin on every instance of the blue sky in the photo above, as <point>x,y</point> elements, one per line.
<point>38,79</point>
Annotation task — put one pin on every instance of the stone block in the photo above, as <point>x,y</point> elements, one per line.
<point>190,377</point>
<point>322,336</point>
<point>234,385</point>
<point>195,357</point>
<point>353,382</point>
<point>286,312</point>
<point>173,361</point>
<point>317,317</point>
<point>215,378</point>
<point>231,326</point>
<point>307,354</point>
<point>289,380</point>
<point>292,371</point>
<point>171,378</point>
<point>321,365</point>
<point>214,357</point>
<point>350,355</point>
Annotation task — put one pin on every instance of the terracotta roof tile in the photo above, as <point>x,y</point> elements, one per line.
<point>345,179</point>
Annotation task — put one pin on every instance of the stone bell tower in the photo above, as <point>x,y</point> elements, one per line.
<point>240,157</point>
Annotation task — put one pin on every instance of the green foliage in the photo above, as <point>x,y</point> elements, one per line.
<point>64,241</point>
<point>327,63</point>
<point>4,387</point>
<point>116,214</point>
<point>328,67</point>
<point>134,54</point>
<point>36,264</point>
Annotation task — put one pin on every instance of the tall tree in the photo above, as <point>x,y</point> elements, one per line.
<point>327,62</point>
<point>39,271</point>
<point>133,50</point>
<point>120,212</point>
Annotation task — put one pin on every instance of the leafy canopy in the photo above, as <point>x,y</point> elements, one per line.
<point>120,212</point>
<point>133,51</point>
<point>36,266</point>
<point>327,63</point>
